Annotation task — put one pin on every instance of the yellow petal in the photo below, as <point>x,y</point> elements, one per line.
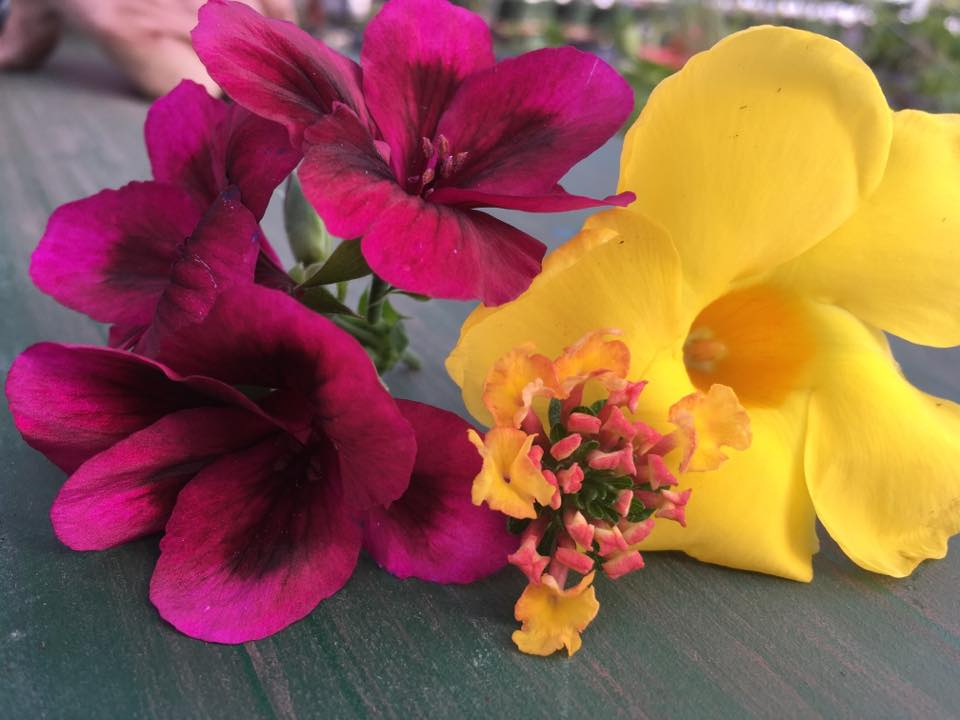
<point>631,282</point>
<point>513,382</point>
<point>553,618</point>
<point>753,512</point>
<point>756,150</point>
<point>595,352</point>
<point>509,481</point>
<point>882,458</point>
<point>708,422</point>
<point>896,262</point>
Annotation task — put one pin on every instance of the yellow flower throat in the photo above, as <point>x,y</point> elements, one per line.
<point>757,340</point>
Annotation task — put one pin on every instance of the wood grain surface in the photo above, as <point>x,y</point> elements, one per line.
<point>79,639</point>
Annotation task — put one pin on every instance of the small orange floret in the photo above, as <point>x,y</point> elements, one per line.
<point>553,618</point>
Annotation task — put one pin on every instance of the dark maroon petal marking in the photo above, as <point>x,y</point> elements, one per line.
<point>109,255</point>
<point>415,54</point>
<point>557,201</point>
<point>255,542</point>
<point>435,532</point>
<point>128,490</point>
<point>527,120</point>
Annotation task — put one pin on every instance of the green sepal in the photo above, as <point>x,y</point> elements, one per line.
<point>597,407</point>
<point>517,525</point>
<point>638,511</point>
<point>554,412</point>
<point>323,301</point>
<point>307,235</point>
<point>345,263</point>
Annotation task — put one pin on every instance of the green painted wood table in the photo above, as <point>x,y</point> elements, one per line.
<point>79,639</point>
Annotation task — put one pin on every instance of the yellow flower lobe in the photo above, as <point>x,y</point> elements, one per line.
<point>553,618</point>
<point>509,480</point>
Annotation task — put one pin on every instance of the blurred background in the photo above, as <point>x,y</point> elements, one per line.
<point>912,45</point>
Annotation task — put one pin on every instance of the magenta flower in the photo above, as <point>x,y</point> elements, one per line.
<point>404,152</point>
<point>262,502</point>
<point>110,255</point>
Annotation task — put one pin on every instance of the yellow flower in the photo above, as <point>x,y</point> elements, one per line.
<point>785,216</point>
<point>553,618</point>
<point>509,480</point>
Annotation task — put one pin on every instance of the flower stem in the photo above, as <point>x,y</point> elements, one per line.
<point>378,292</point>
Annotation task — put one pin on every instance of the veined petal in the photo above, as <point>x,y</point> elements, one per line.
<point>446,252</point>
<point>882,458</point>
<point>343,175</point>
<point>753,512</point>
<point>415,55</point>
<point>273,67</point>
<point>221,252</point>
<point>109,255</point>
<point>72,402</point>
<point>128,490</point>
<point>527,120</point>
<point>559,200</point>
<point>434,532</point>
<point>291,348</point>
<point>255,542</point>
<point>756,150</point>
<point>894,263</point>
<point>631,281</point>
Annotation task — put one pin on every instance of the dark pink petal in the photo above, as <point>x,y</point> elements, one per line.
<point>344,176</point>
<point>527,120</point>
<point>273,67</point>
<point>110,255</point>
<point>263,338</point>
<point>128,490</point>
<point>435,532</point>
<point>183,141</point>
<point>71,403</point>
<point>205,145</point>
<point>222,252</point>
<point>447,252</point>
<point>255,542</point>
<point>415,54</point>
<point>557,201</point>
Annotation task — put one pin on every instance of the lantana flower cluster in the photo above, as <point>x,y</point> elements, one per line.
<point>582,481</point>
<point>236,410</point>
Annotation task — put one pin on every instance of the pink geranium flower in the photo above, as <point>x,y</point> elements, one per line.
<point>261,494</point>
<point>110,255</point>
<point>404,151</point>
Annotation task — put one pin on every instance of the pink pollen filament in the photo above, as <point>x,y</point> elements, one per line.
<point>616,427</point>
<point>566,447</point>
<point>622,505</point>
<point>636,532</point>
<point>610,540</point>
<point>583,423</point>
<point>531,563</point>
<point>576,561</point>
<point>578,528</point>
<point>621,460</point>
<point>656,473</point>
<point>622,563</point>
<point>571,479</point>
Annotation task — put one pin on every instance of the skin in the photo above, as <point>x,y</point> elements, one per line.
<point>148,39</point>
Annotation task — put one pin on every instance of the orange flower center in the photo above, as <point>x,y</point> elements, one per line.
<point>756,340</point>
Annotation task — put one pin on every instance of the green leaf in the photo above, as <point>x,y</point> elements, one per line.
<point>597,407</point>
<point>553,414</point>
<point>413,296</point>
<point>346,263</point>
<point>306,233</point>
<point>638,511</point>
<point>323,301</point>
<point>517,525</point>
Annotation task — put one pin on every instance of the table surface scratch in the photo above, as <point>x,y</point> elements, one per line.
<point>79,639</point>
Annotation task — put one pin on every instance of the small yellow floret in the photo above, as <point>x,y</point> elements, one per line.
<point>513,382</point>
<point>590,356</point>
<point>553,618</point>
<point>706,422</point>
<point>509,480</point>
